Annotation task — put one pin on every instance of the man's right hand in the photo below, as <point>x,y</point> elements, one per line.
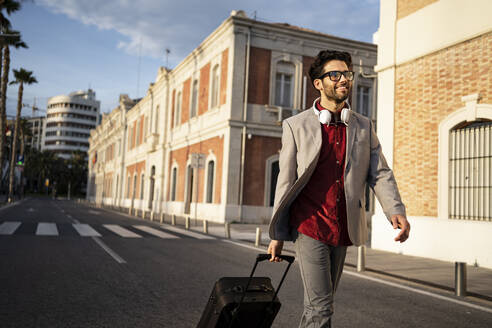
<point>275,248</point>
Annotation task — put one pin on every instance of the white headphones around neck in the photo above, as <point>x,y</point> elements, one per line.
<point>324,116</point>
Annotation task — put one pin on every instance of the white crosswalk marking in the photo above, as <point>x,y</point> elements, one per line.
<point>121,231</point>
<point>46,229</point>
<point>187,233</point>
<point>9,227</point>
<point>85,230</point>
<point>155,232</point>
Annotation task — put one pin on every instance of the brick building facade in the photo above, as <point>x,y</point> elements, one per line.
<point>435,110</point>
<point>204,140</point>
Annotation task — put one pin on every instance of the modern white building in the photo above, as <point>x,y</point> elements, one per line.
<point>435,126</point>
<point>69,119</point>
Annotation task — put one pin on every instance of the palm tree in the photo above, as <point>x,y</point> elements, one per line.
<point>21,77</point>
<point>7,43</point>
<point>9,6</point>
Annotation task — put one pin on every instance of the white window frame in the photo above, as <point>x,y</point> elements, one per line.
<point>210,158</point>
<point>137,131</point>
<point>175,166</point>
<point>177,108</point>
<point>187,177</point>
<point>359,99</point>
<point>142,190</point>
<point>281,87</point>
<point>295,60</point>
<point>268,174</point>
<point>215,92</point>
<point>194,100</point>
<point>134,191</point>
<point>472,111</point>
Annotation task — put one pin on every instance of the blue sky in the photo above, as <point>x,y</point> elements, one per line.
<point>75,44</point>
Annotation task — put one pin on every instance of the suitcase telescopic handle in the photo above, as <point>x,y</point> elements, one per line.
<point>259,258</point>
<point>263,257</point>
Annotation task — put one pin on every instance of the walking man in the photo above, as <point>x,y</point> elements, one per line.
<point>329,153</point>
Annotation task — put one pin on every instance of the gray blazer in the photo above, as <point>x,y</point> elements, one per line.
<point>364,163</point>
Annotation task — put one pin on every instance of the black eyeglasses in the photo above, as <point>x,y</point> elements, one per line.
<point>335,76</point>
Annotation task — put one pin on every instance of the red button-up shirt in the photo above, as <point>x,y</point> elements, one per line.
<point>320,210</point>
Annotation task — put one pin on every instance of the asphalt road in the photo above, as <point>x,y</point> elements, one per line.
<point>63,279</point>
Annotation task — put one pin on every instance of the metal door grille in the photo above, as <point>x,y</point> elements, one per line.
<point>470,179</point>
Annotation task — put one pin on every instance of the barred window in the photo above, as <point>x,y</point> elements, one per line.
<point>470,163</point>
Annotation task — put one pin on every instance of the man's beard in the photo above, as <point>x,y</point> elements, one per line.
<point>338,98</point>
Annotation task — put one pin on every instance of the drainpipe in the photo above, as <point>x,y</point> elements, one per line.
<point>245,116</point>
<point>166,112</point>
<point>122,152</point>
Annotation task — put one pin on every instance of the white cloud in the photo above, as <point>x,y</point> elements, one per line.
<point>151,26</point>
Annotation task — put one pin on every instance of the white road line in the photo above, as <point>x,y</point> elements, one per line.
<point>9,227</point>
<point>156,232</point>
<point>186,232</point>
<point>418,291</point>
<point>46,229</point>
<point>121,231</point>
<point>94,212</point>
<point>85,230</point>
<point>259,250</point>
<point>108,250</point>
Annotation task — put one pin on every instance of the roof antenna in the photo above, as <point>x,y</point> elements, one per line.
<point>168,51</point>
<point>138,67</point>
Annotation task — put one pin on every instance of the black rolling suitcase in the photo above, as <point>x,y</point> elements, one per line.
<point>243,302</point>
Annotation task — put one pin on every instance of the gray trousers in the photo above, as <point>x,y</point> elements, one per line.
<point>321,267</point>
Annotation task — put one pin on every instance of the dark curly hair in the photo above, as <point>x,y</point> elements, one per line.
<point>325,56</point>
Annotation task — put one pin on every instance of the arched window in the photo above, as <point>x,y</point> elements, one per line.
<point>174,177</point>
<point>469,167</point>
<point>142,179</point>
<point>210,181</point>
<point>465,162</point>
<point>284,84</point>
<point>194,99</point>
<point>215,87</point>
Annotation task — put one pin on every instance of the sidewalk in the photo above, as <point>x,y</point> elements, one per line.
<point>425,271</point>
